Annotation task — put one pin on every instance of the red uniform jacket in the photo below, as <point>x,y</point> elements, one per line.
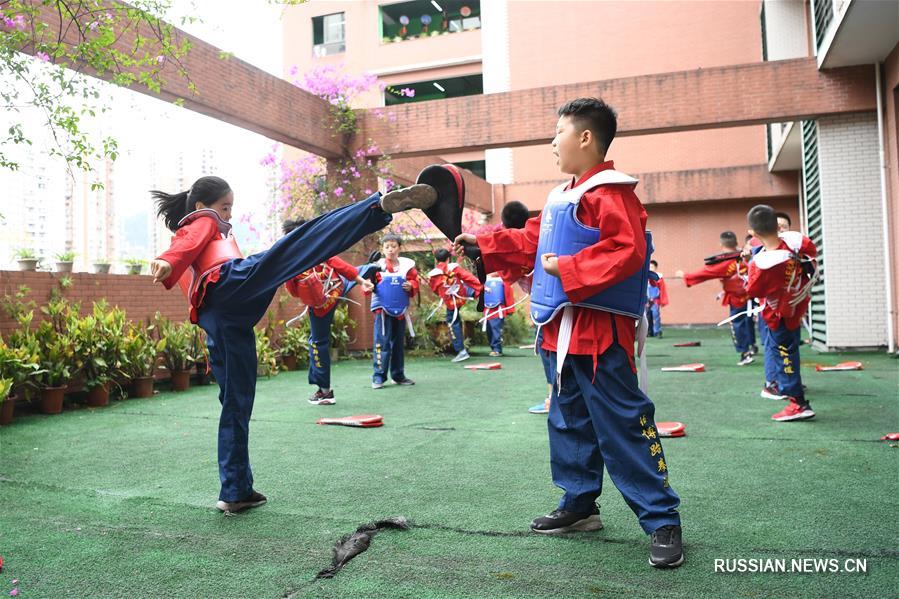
<point>411,276</point>
<point>330,266</point>
<point>620,252</point>
<point>187,245</point>
<point>772,285</point>
<point>439,284</point>
<point>662,300</point>
<point>731,273</point>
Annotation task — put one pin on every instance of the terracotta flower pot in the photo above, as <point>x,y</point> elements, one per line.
<point>98,396</point>
<point>7,408</point>
<point>142,387</point>
<point>289,361</point>
<point>51,399</point>
<point>181,380</point>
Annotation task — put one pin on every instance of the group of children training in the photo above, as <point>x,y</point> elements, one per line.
<point>584,260</point>
<point>771,275</point>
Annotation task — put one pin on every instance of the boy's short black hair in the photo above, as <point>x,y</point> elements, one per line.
<point>442,255</point>
<point>595,115</point>
<point>514,215</point>
<point>762,219</point>
<point>654,263</point>
<point>784,216</point>
<point>290,224</point>
<point>392,237</point>
<point>728,239</point>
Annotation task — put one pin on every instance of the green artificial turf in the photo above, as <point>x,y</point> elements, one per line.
<point>117,501</point>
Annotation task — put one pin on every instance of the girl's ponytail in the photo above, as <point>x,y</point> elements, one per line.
<point>172,208</point>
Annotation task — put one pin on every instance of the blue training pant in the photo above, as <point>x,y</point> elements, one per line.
<point>656,313</point>
<point>455,329</point>
<point>782,350</point>
<point>495,334</point>
<point>741,330</point>
<point>320,349</point>
<point>240,298</point>
<point>603,420</point>
<point>388,353</point>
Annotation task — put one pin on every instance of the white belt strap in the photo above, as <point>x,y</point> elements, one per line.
<point>564,340</point>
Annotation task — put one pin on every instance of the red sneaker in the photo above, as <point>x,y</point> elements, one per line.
<point>794,411</point>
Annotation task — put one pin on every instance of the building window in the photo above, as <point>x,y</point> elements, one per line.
<point>477,167</point>
<point>434,89</point>
<point>427,18</point>
<point>329,34</point>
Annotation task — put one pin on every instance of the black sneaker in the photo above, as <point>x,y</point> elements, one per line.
<point>666,549</point>
<point>415,196</point>
<point>405,382</point>
<point>320,398</point>
<point>255,499</point>
<point>754,349</point>
<point>562,521</point>
<point>745,358</point>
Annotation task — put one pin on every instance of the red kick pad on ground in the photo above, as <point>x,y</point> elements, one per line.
<point>890,437</point>
<point>363,420</point>
<point>689,344</point>
<point>486,366</point>
<point>698,367</point>
<point>840,366</point>
<point>671,429</point>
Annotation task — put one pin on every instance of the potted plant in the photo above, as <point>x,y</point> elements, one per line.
<point>27,259</point>
<point>340,331</point>
<point>135,265</point>
<point>56,358</point>
<point>140,358</point>
<point>64,261</point>
<point>101,266</point>
<point>294,344</point>
<point>17,366</point>
<point>266,355</point>
<point>175,346</point>
<point>97,340</point>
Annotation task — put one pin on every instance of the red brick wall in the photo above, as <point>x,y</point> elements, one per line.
<point>136,294</point>
<point>777,91</point>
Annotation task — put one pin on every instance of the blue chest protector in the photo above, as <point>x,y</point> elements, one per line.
<point>653,292</point>
<point>494,292</point>
<point>563,234</point>
<point>389,294</point>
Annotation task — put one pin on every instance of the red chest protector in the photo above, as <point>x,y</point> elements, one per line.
<point>217,252</point>
<point>319,288</point>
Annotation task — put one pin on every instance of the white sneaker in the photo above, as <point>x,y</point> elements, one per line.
<point>461,356</point>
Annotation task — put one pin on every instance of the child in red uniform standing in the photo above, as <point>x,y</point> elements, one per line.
<point>658,298</point>
<point>229,294</point>
<point>782,274</point>
<point>599,419</point>
<point>499,302</point>
<point>450,282</point>
<point>731,271</point>
<point>395,284</point>
<point>320,288</point>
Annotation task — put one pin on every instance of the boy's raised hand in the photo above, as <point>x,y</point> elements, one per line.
<point>160,269</point>
<point>550,263</point>
<point>461,240</point>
